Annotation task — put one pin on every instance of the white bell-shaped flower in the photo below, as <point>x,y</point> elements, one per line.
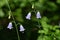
<point>28,16</point>
<point>38,15</point>
<point>10,25</point>
<point>22,28</point>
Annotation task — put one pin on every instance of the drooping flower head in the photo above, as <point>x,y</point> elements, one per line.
<point>22,28</point>
<point>28,16</point>
<point>38,15</point>
<point>10,25</point>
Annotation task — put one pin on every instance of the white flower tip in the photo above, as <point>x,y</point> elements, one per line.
<point>9,27</point>
<point>28,18</point>
<point>22,30</point>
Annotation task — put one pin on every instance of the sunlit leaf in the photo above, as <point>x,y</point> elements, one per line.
<point>1,13</point>
<point>58,1</point>
<point>2,3</point>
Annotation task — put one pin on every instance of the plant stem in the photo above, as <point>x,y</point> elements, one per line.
<point>38,23</point>
<point>13,19</point>
<point>37,20</point>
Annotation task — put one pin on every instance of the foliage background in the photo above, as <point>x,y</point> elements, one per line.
<point>49,23</point>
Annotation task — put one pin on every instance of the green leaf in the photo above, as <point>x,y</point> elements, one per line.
<point>1,13</point>
<point>1,27</point>
<point>57,32</point>
<point>2,3</point>
<point>55,17</point>
<point>51,6</point>
<point>18,15</point>
<point>23,4</point>
<point>39,38</point>
<point>41,31</point>
<point>58,1</point>
<point>44,38</point>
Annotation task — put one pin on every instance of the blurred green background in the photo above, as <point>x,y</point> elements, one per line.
<point>49,23</point>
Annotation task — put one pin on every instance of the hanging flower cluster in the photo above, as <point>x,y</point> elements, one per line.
<point>22,29</point>
<point>10,26</point>
<point>38,15</point>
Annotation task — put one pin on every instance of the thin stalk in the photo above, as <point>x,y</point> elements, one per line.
<point>13,19</point>
<point>37,20</point>
<point>33,7</point>
<point>38,23</point>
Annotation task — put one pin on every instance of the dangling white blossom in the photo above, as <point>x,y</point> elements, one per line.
<point>22,28</point>
<point>10,25</point>
<point>28,16</point>
<point>38,15</point>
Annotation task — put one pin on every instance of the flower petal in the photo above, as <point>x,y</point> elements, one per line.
<point>38,15</point>
<point>10,25</point>
<point>28,16</point>
<point>22,28</point>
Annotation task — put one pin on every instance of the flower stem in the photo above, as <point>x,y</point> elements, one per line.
<point>37,19</point>
<point>13,19</point>
<point>38,23</point>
